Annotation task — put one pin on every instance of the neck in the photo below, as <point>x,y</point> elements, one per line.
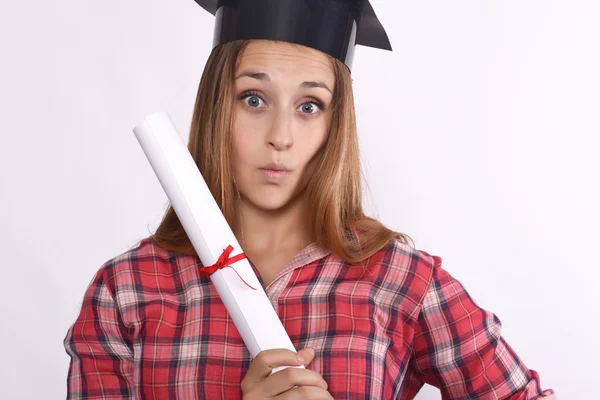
<point>262,231</point>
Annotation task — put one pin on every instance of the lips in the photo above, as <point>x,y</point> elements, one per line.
<point>275,173</point>
<point>275,167</point>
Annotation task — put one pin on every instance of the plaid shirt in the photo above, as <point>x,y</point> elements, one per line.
<point>151,327</point>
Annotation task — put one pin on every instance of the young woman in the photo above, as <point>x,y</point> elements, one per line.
<point>274,135</point>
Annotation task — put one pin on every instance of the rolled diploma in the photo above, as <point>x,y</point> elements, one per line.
<point>209,233</point>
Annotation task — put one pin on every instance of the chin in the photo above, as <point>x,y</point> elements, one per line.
<point>270,203</point>
<point>269,198</point>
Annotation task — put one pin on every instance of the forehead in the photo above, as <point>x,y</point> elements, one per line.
<point>286,60</point>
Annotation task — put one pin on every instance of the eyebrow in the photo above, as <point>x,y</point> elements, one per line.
<point>261,76</point>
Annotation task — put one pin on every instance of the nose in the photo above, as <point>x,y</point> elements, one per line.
<point>279,135</point>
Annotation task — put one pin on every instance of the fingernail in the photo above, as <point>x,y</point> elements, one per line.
<point>300,359</point>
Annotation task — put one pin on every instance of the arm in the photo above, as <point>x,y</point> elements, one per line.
<point>459,349</point>
<point>101,365</point>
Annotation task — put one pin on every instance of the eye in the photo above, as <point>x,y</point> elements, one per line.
<point>311,107</point>
<point>252,101</point>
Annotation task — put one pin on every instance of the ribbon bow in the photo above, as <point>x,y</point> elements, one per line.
<point>224,262</point>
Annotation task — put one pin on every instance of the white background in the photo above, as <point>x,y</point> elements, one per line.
<point>479,137</point>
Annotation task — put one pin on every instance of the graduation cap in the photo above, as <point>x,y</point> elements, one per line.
<point>334,27</point>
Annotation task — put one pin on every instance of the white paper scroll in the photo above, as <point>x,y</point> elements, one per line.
<point>205,225</point>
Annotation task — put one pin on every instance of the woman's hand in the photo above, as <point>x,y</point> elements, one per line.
<point>258,385</point>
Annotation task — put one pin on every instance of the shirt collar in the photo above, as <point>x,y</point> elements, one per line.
<point>309,254</point>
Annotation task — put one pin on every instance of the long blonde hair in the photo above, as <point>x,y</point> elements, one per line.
<point>333,196</point>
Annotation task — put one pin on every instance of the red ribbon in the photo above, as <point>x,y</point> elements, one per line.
<point>224,262</point>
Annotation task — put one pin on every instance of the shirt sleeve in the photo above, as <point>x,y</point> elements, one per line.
<point>101,352</point>
<point>459,349</point>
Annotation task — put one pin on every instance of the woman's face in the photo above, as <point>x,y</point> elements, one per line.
<point>283,94</point>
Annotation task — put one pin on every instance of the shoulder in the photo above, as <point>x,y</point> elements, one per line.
<point>406,270</point>
<point>144,264</point>
<point>401,258</point>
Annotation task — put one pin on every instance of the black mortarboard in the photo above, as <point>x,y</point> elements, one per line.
<point>334,27</point>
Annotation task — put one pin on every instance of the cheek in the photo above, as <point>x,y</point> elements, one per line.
<point>247,134</point>
<point>241,141</point>
<point>314,137</point>
<point>246,157</point>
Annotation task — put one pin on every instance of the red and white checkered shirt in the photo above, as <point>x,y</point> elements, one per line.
<point>151,327</point>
